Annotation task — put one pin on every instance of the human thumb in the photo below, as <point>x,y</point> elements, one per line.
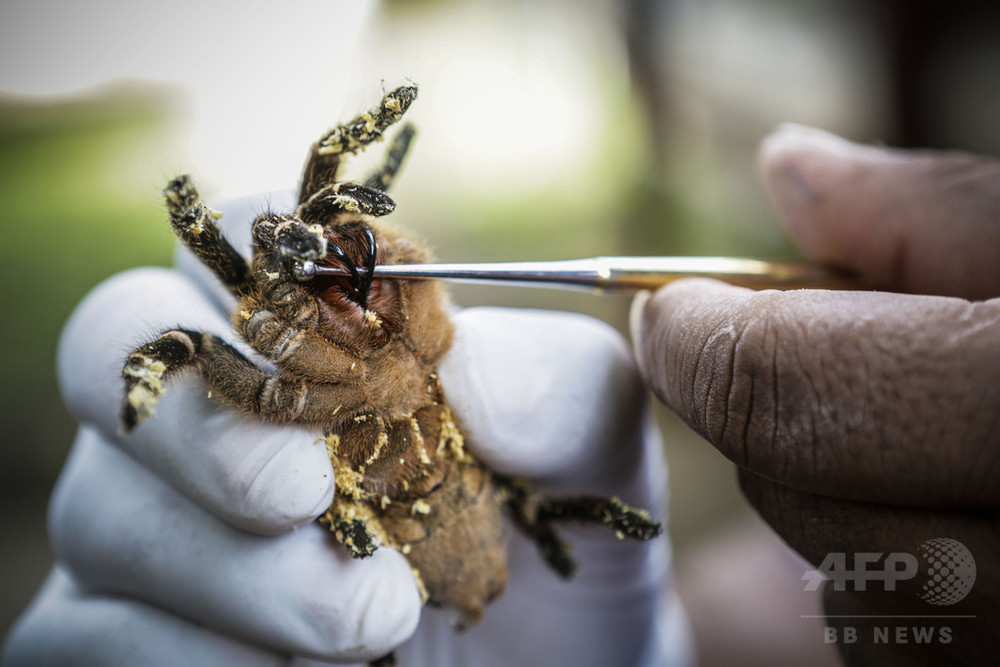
<point>835,393</point>
<point>922,221</point>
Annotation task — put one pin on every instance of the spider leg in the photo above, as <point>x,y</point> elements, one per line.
<point>351,524</point>
<point>519,504</point>
<point>534,516</point>
<point>345,197</point>
<point>236,379</point>
<point>296,349</point>
<point>625,520</point>
<point>300,242</point>
<point>325,155</point>
<point>278,238</point>
<point>387,660</point>
<point>382,178</point>
<point>194,224</point>
<point>147,368</point>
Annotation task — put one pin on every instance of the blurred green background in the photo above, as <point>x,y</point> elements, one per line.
<point>548,130</point>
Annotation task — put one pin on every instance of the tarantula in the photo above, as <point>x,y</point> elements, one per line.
<point>355,358</point>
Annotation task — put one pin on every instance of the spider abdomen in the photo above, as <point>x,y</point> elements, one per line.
<point>417,489</point>
<point>454,539</point>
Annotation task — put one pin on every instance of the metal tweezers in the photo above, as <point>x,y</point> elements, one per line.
<point>616,274</point>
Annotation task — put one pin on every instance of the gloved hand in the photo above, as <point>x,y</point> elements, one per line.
<point>193,538</point>
<point>862,422</point>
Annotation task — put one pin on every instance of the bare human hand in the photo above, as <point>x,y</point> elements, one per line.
<point>860,422</point>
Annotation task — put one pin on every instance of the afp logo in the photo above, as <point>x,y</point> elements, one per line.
<point>945,567</point>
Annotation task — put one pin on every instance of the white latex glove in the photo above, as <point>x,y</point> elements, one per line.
<point>193,539</point>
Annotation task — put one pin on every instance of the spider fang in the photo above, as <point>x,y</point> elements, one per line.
<point>348,263</point>
<point>369,264</point>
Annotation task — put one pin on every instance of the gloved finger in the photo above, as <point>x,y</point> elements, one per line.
<point>67,626</point>
<point>891,561</point>
<point>915,221</point>
<point>261,477</point>
<point>120,531</point>
<point>865,395</point>
<point>554,397</point>
<point>619,610</point>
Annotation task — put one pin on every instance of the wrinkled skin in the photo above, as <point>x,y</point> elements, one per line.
<point>860,421</point>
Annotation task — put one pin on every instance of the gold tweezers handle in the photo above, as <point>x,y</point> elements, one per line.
<point>638,273</point>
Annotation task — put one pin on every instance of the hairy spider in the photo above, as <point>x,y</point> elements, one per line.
<point>355,358</point>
